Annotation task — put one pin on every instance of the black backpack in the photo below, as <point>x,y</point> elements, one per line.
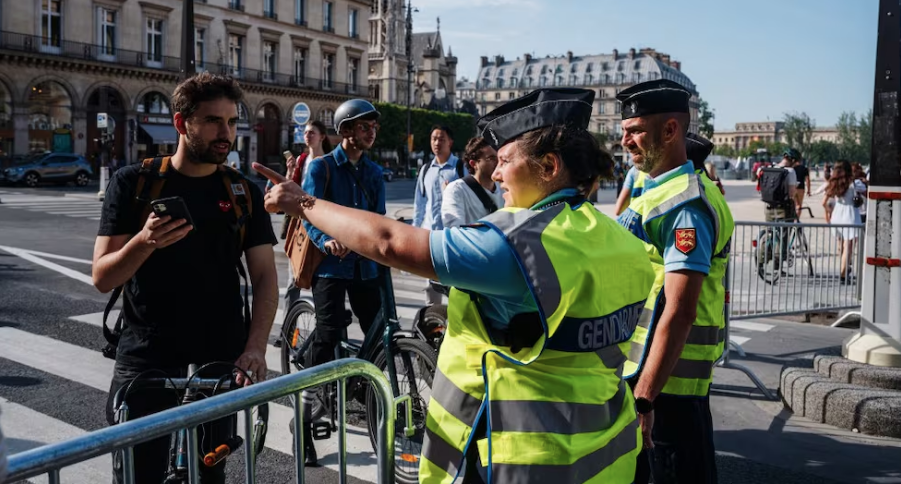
<point>476,188</point>
<point>773,189</point>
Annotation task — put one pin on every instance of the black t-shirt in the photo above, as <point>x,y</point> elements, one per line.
<point>802,172</point>
<point>185,304</point>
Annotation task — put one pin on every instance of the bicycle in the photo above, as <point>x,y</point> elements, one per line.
<point>184,460</point>
<point>771,256</point>
<point>384,342</point>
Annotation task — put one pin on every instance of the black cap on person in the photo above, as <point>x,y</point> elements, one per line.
<point>654,97</point>
<point>538,109</point>
<point>697,149</point>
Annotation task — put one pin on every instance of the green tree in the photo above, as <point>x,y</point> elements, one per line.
<point>725,150</point>
<point>393,132</point>
<point>798,130</point>
<point>865,136</point>
<point>822,151</point>
<point>848,145</point>
<point>705,119</point>
<point>602,138</point>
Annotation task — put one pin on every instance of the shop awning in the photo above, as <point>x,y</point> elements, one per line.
<point>162,134</point>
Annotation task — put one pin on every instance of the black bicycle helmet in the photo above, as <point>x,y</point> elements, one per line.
<point>353,110</point>
<point>792,153</point>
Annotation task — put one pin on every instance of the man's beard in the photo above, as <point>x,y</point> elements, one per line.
<point>652,156</point>
<point>201,153</point>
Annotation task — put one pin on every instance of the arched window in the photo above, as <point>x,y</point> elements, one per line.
<point>153,103</point>
<point>327,116</point>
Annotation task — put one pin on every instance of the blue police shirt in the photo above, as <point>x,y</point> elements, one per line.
<point>480,260</point>
<point>343,190</point>
<point>692,215</point>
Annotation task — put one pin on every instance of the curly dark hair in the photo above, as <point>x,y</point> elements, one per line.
<point>473,149</point>
<point>201,88</point>
<point>585,161</point>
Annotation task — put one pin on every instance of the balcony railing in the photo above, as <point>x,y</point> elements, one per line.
<point>32,44</point>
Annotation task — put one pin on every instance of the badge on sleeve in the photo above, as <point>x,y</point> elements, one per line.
<point>686,240</point>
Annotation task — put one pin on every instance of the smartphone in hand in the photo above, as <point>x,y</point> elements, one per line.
<point>172,206</point>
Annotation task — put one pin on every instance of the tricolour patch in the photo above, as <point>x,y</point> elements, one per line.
<point>686,240</point>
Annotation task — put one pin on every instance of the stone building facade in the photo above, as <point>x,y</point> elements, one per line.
<point>63,62</point>
<point>501,80</point>
<point>768,132</point>
<point>434,70</point>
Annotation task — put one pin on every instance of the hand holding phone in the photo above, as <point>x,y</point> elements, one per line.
<point>169,222</point>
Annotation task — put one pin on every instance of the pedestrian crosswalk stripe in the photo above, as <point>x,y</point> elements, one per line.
<point>59,206</point>
<point>25,429</point>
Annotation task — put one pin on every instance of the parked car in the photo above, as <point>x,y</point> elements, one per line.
<point>50,168</point>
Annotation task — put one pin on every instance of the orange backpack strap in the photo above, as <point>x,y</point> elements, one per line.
<point>239,195</point>
<point>155,169</point>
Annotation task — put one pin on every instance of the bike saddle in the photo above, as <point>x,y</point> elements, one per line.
<point>439,288</point>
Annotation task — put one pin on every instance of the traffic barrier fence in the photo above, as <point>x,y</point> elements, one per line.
<point>49,459</point>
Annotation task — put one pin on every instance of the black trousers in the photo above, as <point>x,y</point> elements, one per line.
<point>151,459</point>
<point>683,450</point>
<point>331,314</point>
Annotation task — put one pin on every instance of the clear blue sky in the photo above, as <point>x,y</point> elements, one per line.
<point>751,60</point>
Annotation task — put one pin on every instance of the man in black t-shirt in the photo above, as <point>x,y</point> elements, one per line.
<point>182,298</point>
<point>802,174</point>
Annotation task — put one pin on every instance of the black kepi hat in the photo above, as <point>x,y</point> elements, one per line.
<point>538,109</point>
<point>654,97</point>
<point>697,149</point>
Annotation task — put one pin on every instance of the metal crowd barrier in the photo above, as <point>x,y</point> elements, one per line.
<point>781,269</point>
<point>49,459</point>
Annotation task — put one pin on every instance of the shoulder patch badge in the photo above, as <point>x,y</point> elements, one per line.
<point>686,240</point>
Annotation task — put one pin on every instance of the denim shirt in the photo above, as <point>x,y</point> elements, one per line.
<point>343,190</point>
<point>427,207</point>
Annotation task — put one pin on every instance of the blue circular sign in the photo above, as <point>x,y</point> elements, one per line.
<point>301,113</point>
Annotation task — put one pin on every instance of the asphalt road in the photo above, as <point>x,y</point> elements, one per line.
<point>53,380</point>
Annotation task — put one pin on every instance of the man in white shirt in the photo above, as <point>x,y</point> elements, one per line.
<point>473,197</point>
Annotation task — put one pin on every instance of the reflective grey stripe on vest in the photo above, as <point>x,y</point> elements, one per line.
<point>523,230</point>
<point>440,453</point>
<point>579,471</point>
<point>562,418</point>
<point>611,356</point>
<point>529,415</point>
<point>697,369</point>
<point>706,335</point>
<point>691,192</point>
<point>463,406</point>
<point>699,335</point>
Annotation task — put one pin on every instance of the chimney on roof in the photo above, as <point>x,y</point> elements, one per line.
<point>615,54</point>
<point>677,65</point>
<point>484,61</point>
<point>569,56</point>
<point>527,57</point>
<point>632,53</point>
<point>666,59</point>
<point>498,60</point>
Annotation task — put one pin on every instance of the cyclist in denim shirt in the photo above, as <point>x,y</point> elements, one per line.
<point>353,181</point>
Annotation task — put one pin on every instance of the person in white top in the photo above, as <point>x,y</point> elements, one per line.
<point>473,197</point>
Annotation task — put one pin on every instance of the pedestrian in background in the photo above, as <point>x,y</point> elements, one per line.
<point>535,319</point>
<point>861,186</point>
<point>840,188</point>
<point>686,225</point>
<point>434,177</point>
<point>476,195</point>
<point>346,177</point>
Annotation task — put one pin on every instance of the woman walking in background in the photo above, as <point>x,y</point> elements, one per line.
<point>840,188</point>
<point>315,136</point>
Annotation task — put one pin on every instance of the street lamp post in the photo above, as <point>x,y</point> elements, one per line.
<point>187,39</point>
<point>409,52</point>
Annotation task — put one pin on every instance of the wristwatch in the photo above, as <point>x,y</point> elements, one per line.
<point>643,405</point>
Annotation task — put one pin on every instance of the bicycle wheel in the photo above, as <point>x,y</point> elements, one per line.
<point>766,256</point>
<point>298,327</point>
<point>415,363</point>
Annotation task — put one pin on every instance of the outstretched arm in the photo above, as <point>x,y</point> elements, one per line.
<point>373,236</point>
